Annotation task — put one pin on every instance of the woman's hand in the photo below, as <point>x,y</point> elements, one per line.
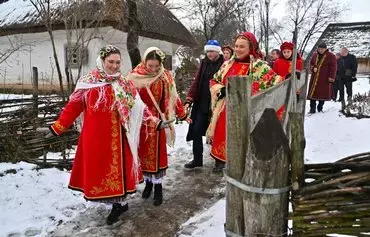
<point>222,93</point>
<point>46,131</point>
<point>189,120</point>
<point>165,124</point>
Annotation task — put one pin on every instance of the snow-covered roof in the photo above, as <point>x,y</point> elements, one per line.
<point>354,36</point>
<point>156,21</point>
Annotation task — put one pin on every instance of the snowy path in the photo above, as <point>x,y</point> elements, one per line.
<point>38,203</point>
<point>185,192</point>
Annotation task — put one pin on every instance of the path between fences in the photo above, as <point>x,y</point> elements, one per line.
<point>185,193</point>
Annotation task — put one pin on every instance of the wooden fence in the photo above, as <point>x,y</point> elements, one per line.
<point>265,169</point>
<point>336,199</point>
<point>19,140</point>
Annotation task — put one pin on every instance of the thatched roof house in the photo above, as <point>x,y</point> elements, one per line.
<point>105,21</point>
<point>157,22</point>
<point>354,36</point>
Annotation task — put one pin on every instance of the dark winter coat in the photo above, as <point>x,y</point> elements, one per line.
<point>347,67</point>
<point>199,94</point>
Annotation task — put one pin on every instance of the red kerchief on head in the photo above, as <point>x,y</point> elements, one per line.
<point>255,51</point>
<point>287,45</point>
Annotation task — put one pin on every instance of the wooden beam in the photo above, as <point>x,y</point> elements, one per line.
<point>238,114</point>
<point>267,167</point>
<point>273,97</point>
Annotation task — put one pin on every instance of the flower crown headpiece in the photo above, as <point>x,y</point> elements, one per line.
<point>105,51</point>
<point>160,54</point>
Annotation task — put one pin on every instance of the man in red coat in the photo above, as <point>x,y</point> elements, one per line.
<point>323,67</point>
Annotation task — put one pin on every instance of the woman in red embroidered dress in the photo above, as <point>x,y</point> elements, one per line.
<point>157,89</point>
<point>283,67</point>
<point>246,53</point>
<point>106,166</point>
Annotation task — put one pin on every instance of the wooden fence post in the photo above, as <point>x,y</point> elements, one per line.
<point>298,144</point>
<point>238,109</point>
<point>266,174</point>
<point>35,94</point>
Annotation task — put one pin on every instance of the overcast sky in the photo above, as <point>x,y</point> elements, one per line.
<point>358,10</point>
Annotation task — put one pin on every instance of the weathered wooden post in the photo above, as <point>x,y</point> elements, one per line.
<point>238,108</point>
<point>266,179</point>
<point>35,93</point>
<point>297,145</point>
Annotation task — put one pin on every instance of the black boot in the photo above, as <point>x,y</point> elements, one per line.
<point>312,106</point>
<point>193,164</point>
<point>117,210</point>
<point>147,190</point>
<point>158,195</point>
<point>219,166</point>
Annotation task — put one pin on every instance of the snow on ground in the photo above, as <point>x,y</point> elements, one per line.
<point>34,202</point>
<point>13,96</point>
<point>329,137</point>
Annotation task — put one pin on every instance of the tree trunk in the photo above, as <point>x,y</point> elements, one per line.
<point>238,109</point>
<point>298,144</point>
<point>133,34</point>
<point>60,77</point>
<point>35,94</point>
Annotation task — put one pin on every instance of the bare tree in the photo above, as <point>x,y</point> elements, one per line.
<point>264,12</point>
<point>133,33</point>
<point>309,17</point>
<point>82,19</point>
<point>214,17</point>
<point>323,13</point>
<point>43,10</point>
<point>15,44</point>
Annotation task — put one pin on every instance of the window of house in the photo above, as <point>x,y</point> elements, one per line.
<point>75,56</point>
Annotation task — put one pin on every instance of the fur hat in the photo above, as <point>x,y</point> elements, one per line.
<point>322,45</point>
<point>287,45</point>
<point>212,45</point>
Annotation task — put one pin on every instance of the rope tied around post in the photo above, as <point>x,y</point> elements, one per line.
<point>251,189</point>
<point>232,234</point>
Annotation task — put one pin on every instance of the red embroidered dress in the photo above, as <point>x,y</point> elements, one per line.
<point>263,77</point>
<point>104,166</point>
<point>283,67</point>
<point>153,149</point>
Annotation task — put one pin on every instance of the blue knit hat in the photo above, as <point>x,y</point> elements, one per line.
<point>212,45</point>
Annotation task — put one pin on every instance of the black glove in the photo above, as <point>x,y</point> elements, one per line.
<point>354,79</point>
<point>298,75</point>
<point>222,93</point>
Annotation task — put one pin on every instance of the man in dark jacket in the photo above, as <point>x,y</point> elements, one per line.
<point>336,83</point>
<point>347,73</point>
<point>200,97</point>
